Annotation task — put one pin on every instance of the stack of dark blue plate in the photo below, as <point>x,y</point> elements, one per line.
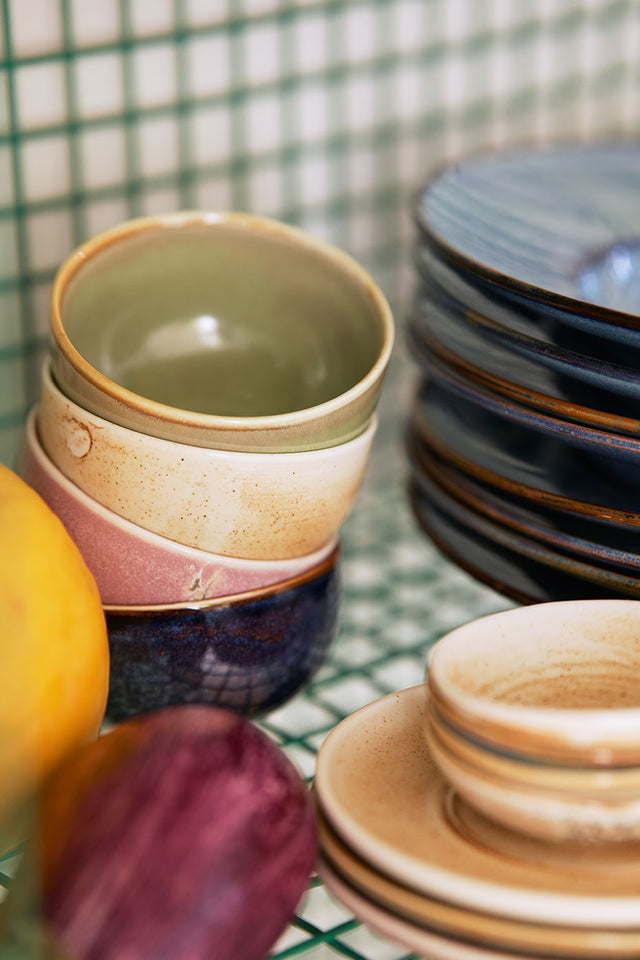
<point>524,433</point>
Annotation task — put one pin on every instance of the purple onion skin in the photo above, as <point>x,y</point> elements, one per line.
<point>194,841</point>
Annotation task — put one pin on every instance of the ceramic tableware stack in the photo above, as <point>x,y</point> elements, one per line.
<point>205,420</point>
<point>524,432</point>
<point>494,811</point>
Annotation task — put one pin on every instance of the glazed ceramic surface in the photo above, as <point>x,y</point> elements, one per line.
<point>133,566</point>
<point>553,680</point>
<point>597,540</point>
<point>249,653</point>
<point>593,575</point>
<point>221,330</point>
<point>574,333</point>
<point>551,801</point>
<point>258,506</point>
<point>517,453</point>
<point>514,575</point>
<point>378,786</point>
<point>522,369</point>
<point>426,943</point>
<point>558,223</point>
<point>483,931</point>
<point>608,444</point>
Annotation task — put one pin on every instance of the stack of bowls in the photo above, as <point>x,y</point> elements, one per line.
<point>494,811</point>
<point>524,433</point>
<point>205,420</point>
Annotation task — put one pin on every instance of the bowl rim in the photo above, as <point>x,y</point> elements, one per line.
<point>155,541</point>
<point>53,395</point>
<point>210,422</point>
<point>326,565</point>
<point>606,733</point>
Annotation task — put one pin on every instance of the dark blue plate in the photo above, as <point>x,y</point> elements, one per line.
<point>517,568</point>
<point>527,372</point>
<point>577,337</point>
<point>435,481</point>
<point>598,539</point>
<point>511,449</point>
<point>559,224</point>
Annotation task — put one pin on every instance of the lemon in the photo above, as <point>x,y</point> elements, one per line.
<point>54,655</point>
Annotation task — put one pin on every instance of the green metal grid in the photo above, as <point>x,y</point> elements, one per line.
<point>326,115</point>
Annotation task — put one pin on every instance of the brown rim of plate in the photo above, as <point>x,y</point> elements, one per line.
<point>481,574</point>
<point>423,344</point>
<point>527,547</point>
<point>443,476</point>
<point>459,261</point>
<point>423,435</point>
<point>232,600</point>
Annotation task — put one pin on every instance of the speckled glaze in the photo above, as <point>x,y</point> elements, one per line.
<point>552,801</point>
<point>548,680</point>
<point>466,933</point>
<point>378,785</point>
<point>533,717</point>
<point>305,332</point>
<point>249,653</point>
<point>133,566</point>
<point>258,506</point>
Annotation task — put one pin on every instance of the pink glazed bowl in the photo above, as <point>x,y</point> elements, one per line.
<point>133,566</point>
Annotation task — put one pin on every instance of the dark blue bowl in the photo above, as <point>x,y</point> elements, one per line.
<point>249,653</point>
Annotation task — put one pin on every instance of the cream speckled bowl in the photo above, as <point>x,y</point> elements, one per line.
<point>260,506</point>
<point>534,717</point>
<point>133,566</point>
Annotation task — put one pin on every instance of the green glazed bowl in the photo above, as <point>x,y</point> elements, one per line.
<point>221,330</point>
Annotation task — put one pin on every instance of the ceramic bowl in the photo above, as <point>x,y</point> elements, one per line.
<point>550,801</point>
<point>258,506</point>
<point>132,565</point>
<point>221,330</point>
<point>249,653</point>
<point>535,717</point>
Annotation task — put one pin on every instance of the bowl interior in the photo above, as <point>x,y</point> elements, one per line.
<point>223,318</point>
<point>563,656</point>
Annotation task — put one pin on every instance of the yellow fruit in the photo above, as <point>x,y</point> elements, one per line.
<point>54,655</point>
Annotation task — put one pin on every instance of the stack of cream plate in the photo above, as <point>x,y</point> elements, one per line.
<point>408,857</point>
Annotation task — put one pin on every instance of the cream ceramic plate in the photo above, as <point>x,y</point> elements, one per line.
<point>387,924</point>
<point>479,929</point>
<point>383,795</point>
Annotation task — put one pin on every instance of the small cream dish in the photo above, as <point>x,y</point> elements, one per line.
<point>258,506</point>
<point>534,718</point>
<point>132,566</point>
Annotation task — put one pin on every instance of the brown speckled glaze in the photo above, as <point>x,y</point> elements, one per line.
<point>257,506</point>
